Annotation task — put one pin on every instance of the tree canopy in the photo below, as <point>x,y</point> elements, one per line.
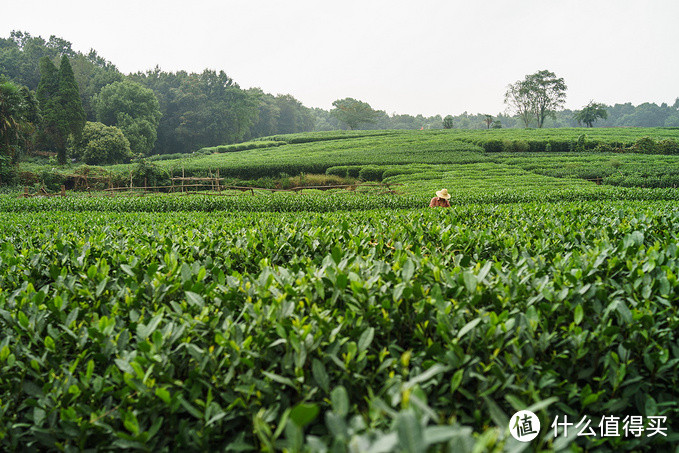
<point>101,144</point>
<point>194,110</point>
<point>199,110</point>
<point>353,112</point>
<point>537,96</point>
<point>63,115</point>
<point>19,113</point>
<point>590,113</point>
<point>132,108</point>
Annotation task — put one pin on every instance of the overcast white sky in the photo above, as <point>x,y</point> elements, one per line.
<point>403,56</point>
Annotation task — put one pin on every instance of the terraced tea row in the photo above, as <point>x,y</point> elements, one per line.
<point>364,330</point>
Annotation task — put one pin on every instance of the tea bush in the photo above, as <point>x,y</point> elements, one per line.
<point>374,331</point>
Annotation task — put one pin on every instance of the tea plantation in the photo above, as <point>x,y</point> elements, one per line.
<point>344,321</point>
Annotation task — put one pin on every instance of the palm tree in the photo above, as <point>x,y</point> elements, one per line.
<point>18,115</point>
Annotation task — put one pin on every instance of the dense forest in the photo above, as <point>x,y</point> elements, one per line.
<point>118,116</point>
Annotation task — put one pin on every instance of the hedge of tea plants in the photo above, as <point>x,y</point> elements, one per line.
<point>377,331</point>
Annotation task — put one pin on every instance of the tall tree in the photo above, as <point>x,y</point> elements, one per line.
<point>519,102</point>
<point>488,119</point>
<point>448,122</point>
<point>267,116</point>
<point>92,73</point>
<point>353,112</point>
<point>547,93</point>
<point>132,108</point>
<point>51,135</point>
<point>538,96</point>
<point>63,114</point>
<point>590,113</point>
<point>72,112</point>
<point>292,115</point>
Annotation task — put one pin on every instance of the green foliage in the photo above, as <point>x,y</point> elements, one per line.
<point>48,97</point>
<point>536,97</point>
<point>199,110</point>
<point>101,144</point>
<point>7,171</point>
<point>590,113</point>
<point>645,145</point>
<point>667,146</point>
<point>148,174</point>
<point>72,114</point>
<point>244,146</point>
<point>371,173</point>
<point>515,146</point>
<point>448,122</point>
<point>19,113</point>
<point>353,112</point>
<point>378,330</point>
<point>339,170</point>
<point>60,104</point>
<point>493,146</point>
<point>92,73</point>
<point>133,109</point>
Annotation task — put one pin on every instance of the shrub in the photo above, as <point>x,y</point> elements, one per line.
<point>645,145</point>
<point>580,143</point>
<point>7,171</point>
<point>560,146</point>
<point>245,146</point>
<point>400,170</point>
<point>341,171</point>
<point>149,174</point>
<point>51,180</point>
<point>667,147</point>
<point>537,146</point>
<point>101,144</point>
<point>516,146</point>
<point>615,163</point>
<point>493,146</point>
<point>166,156</point>
<point>371,173</point>
<point>353,171</point>
<point>521,146</point>
<point>311,180</point>
<point>604,147</point>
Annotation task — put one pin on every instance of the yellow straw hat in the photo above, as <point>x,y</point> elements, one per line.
<point>443,193</point>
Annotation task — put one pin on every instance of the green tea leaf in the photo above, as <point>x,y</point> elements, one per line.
<point>578,314</point>
<point>340,401</point>
<point>409,432</point>
<point>130,422</point>
<point>365,339</point>
<point>304,413</point>
<point>320,374</point>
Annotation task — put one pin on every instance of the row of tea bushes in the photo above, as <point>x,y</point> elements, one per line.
<point>351,331</point>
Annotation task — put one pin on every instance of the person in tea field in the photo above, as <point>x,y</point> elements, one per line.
<point>441,199</point>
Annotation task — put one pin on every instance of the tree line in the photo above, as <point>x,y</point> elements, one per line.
<point>80,106</point>
<point>122,116</point>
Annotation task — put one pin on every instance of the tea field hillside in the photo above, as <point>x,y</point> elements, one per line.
<point>354,320</point>
<point>627,157</point>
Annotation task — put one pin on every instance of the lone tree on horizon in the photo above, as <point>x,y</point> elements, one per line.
<point>537,96</point>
